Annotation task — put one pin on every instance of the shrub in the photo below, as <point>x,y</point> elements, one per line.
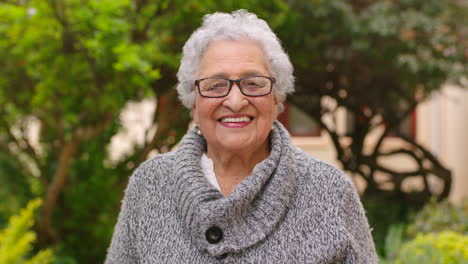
<point>439,248</point>
<point>16,239</point>
<point>436,217</point>
<point>438,234</point>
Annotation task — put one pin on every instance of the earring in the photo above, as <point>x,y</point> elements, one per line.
<point>197,130</point>
<point>272,128</point>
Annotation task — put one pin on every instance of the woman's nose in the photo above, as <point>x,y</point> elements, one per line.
<point>235,100</point>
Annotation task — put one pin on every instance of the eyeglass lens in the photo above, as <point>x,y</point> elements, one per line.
<point>255,86</point>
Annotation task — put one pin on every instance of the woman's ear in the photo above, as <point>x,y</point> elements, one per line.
<point>276,105</point>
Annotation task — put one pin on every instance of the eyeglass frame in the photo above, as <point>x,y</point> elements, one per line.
<point>231,83</point>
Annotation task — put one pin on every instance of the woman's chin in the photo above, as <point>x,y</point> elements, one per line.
<point>236,144</point>
<point>239,143</point>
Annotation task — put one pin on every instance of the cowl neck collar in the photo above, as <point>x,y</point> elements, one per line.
<point>250,212</point>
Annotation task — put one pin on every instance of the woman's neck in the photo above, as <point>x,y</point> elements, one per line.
<point>231,168</point>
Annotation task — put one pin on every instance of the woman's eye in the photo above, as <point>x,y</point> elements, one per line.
<point>254,84</point>
<point>217,86</point>
<point>210,85</point>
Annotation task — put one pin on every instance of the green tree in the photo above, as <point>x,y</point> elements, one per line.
<point>68,69</point>
<point>69,73</point>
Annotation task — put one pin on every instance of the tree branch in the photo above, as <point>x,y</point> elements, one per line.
<point>437,168</point>
<point>47,234</point>
<point>88,132</point>
<point>166,114</point>
<point>65,157</point>
<point>25,148</point>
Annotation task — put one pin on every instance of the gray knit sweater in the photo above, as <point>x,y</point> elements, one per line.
<point>292,209</point>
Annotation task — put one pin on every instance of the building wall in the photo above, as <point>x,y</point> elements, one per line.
<point>454,137</point>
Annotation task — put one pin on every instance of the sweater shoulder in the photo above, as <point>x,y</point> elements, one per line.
<point>326,189</point>
<point>316,171</point>
<point>155,168</point>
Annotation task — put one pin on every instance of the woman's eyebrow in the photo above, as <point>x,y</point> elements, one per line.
<point>219,74</point>
<point>249,73</point>
<point>243,74</point>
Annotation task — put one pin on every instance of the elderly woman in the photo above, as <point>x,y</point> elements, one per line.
<point>236,190</point>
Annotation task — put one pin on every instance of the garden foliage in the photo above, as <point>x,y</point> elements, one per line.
<point>438,248</point>
<point>438,217</point>
<point>16,240</point>
<point>438,235</point>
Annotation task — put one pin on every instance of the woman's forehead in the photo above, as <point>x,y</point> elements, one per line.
<point>225,58</point>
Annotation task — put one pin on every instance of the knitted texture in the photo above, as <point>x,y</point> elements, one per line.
<point>292,209</point>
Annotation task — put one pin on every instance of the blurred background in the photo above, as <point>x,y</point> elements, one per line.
<point>87,94</point>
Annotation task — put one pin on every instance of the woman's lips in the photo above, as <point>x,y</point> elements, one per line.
<point>235,121</point>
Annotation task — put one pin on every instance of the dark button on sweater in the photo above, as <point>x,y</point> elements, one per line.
<point>214,235</point>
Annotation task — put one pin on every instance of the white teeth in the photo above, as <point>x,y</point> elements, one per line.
<point>235,119</point>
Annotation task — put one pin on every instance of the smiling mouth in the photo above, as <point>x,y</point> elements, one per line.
<point>241,119</point>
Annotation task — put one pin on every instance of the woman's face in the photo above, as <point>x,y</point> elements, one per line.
<point>235,122</point>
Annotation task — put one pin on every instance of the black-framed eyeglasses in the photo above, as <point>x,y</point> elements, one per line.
<point>254,85</point>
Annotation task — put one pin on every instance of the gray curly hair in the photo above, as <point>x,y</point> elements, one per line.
<point>239,24</point>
